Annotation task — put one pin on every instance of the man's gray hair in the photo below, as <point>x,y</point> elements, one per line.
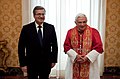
<point>80,15</point>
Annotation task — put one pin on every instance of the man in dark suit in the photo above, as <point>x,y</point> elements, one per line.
<point>38,53</point>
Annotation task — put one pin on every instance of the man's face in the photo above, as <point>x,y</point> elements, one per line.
<point>81,23</point>
<point>39,16</point>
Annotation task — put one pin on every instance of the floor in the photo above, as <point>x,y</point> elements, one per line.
<point>17,77</point>
<point>110,77</point>
<point>14,72</point>
<point>103,77</point>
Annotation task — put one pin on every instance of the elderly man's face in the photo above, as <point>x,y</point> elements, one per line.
<point>81,23</point>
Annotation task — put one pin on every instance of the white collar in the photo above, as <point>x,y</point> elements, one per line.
<point>38,25</point>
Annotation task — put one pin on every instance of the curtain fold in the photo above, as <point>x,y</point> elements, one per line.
<point>61,13</point>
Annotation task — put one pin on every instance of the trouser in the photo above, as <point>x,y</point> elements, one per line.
<point>38,73</point>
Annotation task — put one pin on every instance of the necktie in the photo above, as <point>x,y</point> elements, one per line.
<point>40,35</point>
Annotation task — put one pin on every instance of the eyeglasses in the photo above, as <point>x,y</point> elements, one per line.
<point>39,14</point>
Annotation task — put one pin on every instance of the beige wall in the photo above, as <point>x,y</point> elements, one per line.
<point>10,26</point>
<point>11,23</point>
<point>112,40</point>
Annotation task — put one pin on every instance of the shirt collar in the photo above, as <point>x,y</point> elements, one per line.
<point>38,25</point>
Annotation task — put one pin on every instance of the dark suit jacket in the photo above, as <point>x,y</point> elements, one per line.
<point>29,49</point>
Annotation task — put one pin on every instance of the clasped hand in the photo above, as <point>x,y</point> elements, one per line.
<point>81,59</point>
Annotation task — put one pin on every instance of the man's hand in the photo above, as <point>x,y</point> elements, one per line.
<point>81,59</point>
<point>86,59</point>
<point>24,69</point>
<point>52,65</point>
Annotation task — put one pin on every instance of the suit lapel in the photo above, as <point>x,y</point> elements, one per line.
<point>34,31</point>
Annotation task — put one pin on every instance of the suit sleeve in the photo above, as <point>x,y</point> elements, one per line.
<point>21,48</point>
<point>54,46</point>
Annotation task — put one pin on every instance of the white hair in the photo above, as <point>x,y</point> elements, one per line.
<point>80,15</point>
